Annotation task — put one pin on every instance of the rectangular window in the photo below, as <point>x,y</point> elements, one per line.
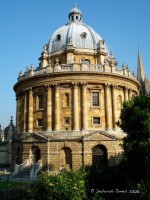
<point>96,120</point>
<point>40,122</point>
<point>66,121</point>
<point>40,101</point>
<point>95,98</point>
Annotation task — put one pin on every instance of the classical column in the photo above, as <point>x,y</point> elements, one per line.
<point>18,113</point>
<point>130,93</point>
<point>84,107</point>
<point>114,105</point>
<point>25,112</point>
<point>49,109</point>
<point>107,106</point>
<point>57,118</point>
<point>75,107</point>
<point>126,94</point>
<point>30,114</point>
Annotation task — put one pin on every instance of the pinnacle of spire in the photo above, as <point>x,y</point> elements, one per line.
<point>140,72</point>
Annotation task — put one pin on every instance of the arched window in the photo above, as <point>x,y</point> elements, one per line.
<point>66,158</point>
<point>58,37</point>
<point>36,154</point>
<point>65,100</point>
<point>40,101</point>
<point>86,61</point>
<point>119,102</point>
<point>99,155</point>
<point>18,155</point>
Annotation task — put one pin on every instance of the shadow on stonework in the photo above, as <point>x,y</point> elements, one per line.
<point>110,181</point>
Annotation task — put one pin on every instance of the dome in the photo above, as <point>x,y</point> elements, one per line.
<point>10,130</point>
<point>81,35</point>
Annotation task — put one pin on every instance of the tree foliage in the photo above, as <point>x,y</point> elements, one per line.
<point>65,185</point>
<point>135,118</point>
<point>135,121</point>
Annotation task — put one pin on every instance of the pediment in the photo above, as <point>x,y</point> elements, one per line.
<point>34,137</point>
<point>101,136</point>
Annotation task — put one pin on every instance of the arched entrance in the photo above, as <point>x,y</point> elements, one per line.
<point>99,155</point>
<point>66,158</point>
<point>36,154</point>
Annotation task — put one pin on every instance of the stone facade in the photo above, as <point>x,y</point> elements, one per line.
<point>67,108</point>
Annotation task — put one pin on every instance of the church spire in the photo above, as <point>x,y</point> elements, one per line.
<point>141,73</point>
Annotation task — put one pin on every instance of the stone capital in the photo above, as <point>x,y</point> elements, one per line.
<point>31,91</point>
<point>107,85</point>
<point>48,86</point>
<point>126,88</point>
<point>75,84</point>
<point>83,84</point>
<point>114,86</point>
<point>56,85</point>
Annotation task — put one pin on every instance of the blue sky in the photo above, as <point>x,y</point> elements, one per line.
<point>26,25</point>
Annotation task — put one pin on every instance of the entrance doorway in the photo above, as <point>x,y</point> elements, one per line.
<point>99,155</point>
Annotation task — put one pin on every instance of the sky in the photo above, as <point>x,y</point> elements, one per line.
<point>26,25</point>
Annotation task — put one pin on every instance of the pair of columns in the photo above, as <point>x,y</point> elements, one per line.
<point>75,108</point>
<point>108,106</point>
<point>127,96</point>
<point>28,122</point>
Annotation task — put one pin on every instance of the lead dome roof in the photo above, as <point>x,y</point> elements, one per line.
<point>82,36</point>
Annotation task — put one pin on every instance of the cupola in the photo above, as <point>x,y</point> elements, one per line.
<point>75,14</point>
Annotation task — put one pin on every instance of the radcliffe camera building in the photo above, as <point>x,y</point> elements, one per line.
<point>67,107</point>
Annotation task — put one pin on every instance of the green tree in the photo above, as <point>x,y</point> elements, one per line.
<point>135,121</point>
<point>68,185</point>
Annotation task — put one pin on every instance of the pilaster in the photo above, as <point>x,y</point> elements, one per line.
<point>130,93</point>
<point>25,112</point>
<point>84,107</point>
<point>126,94</point>
<point>18,113</point>
<point>75,107</point>
<point>49,109</point>
<point>57,109</point>
<point>107,106</point>
<point>30,116</point>
<point>114,105</point>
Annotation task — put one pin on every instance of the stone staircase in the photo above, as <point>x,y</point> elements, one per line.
<point>24,173</point>
<point>27,169</point>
